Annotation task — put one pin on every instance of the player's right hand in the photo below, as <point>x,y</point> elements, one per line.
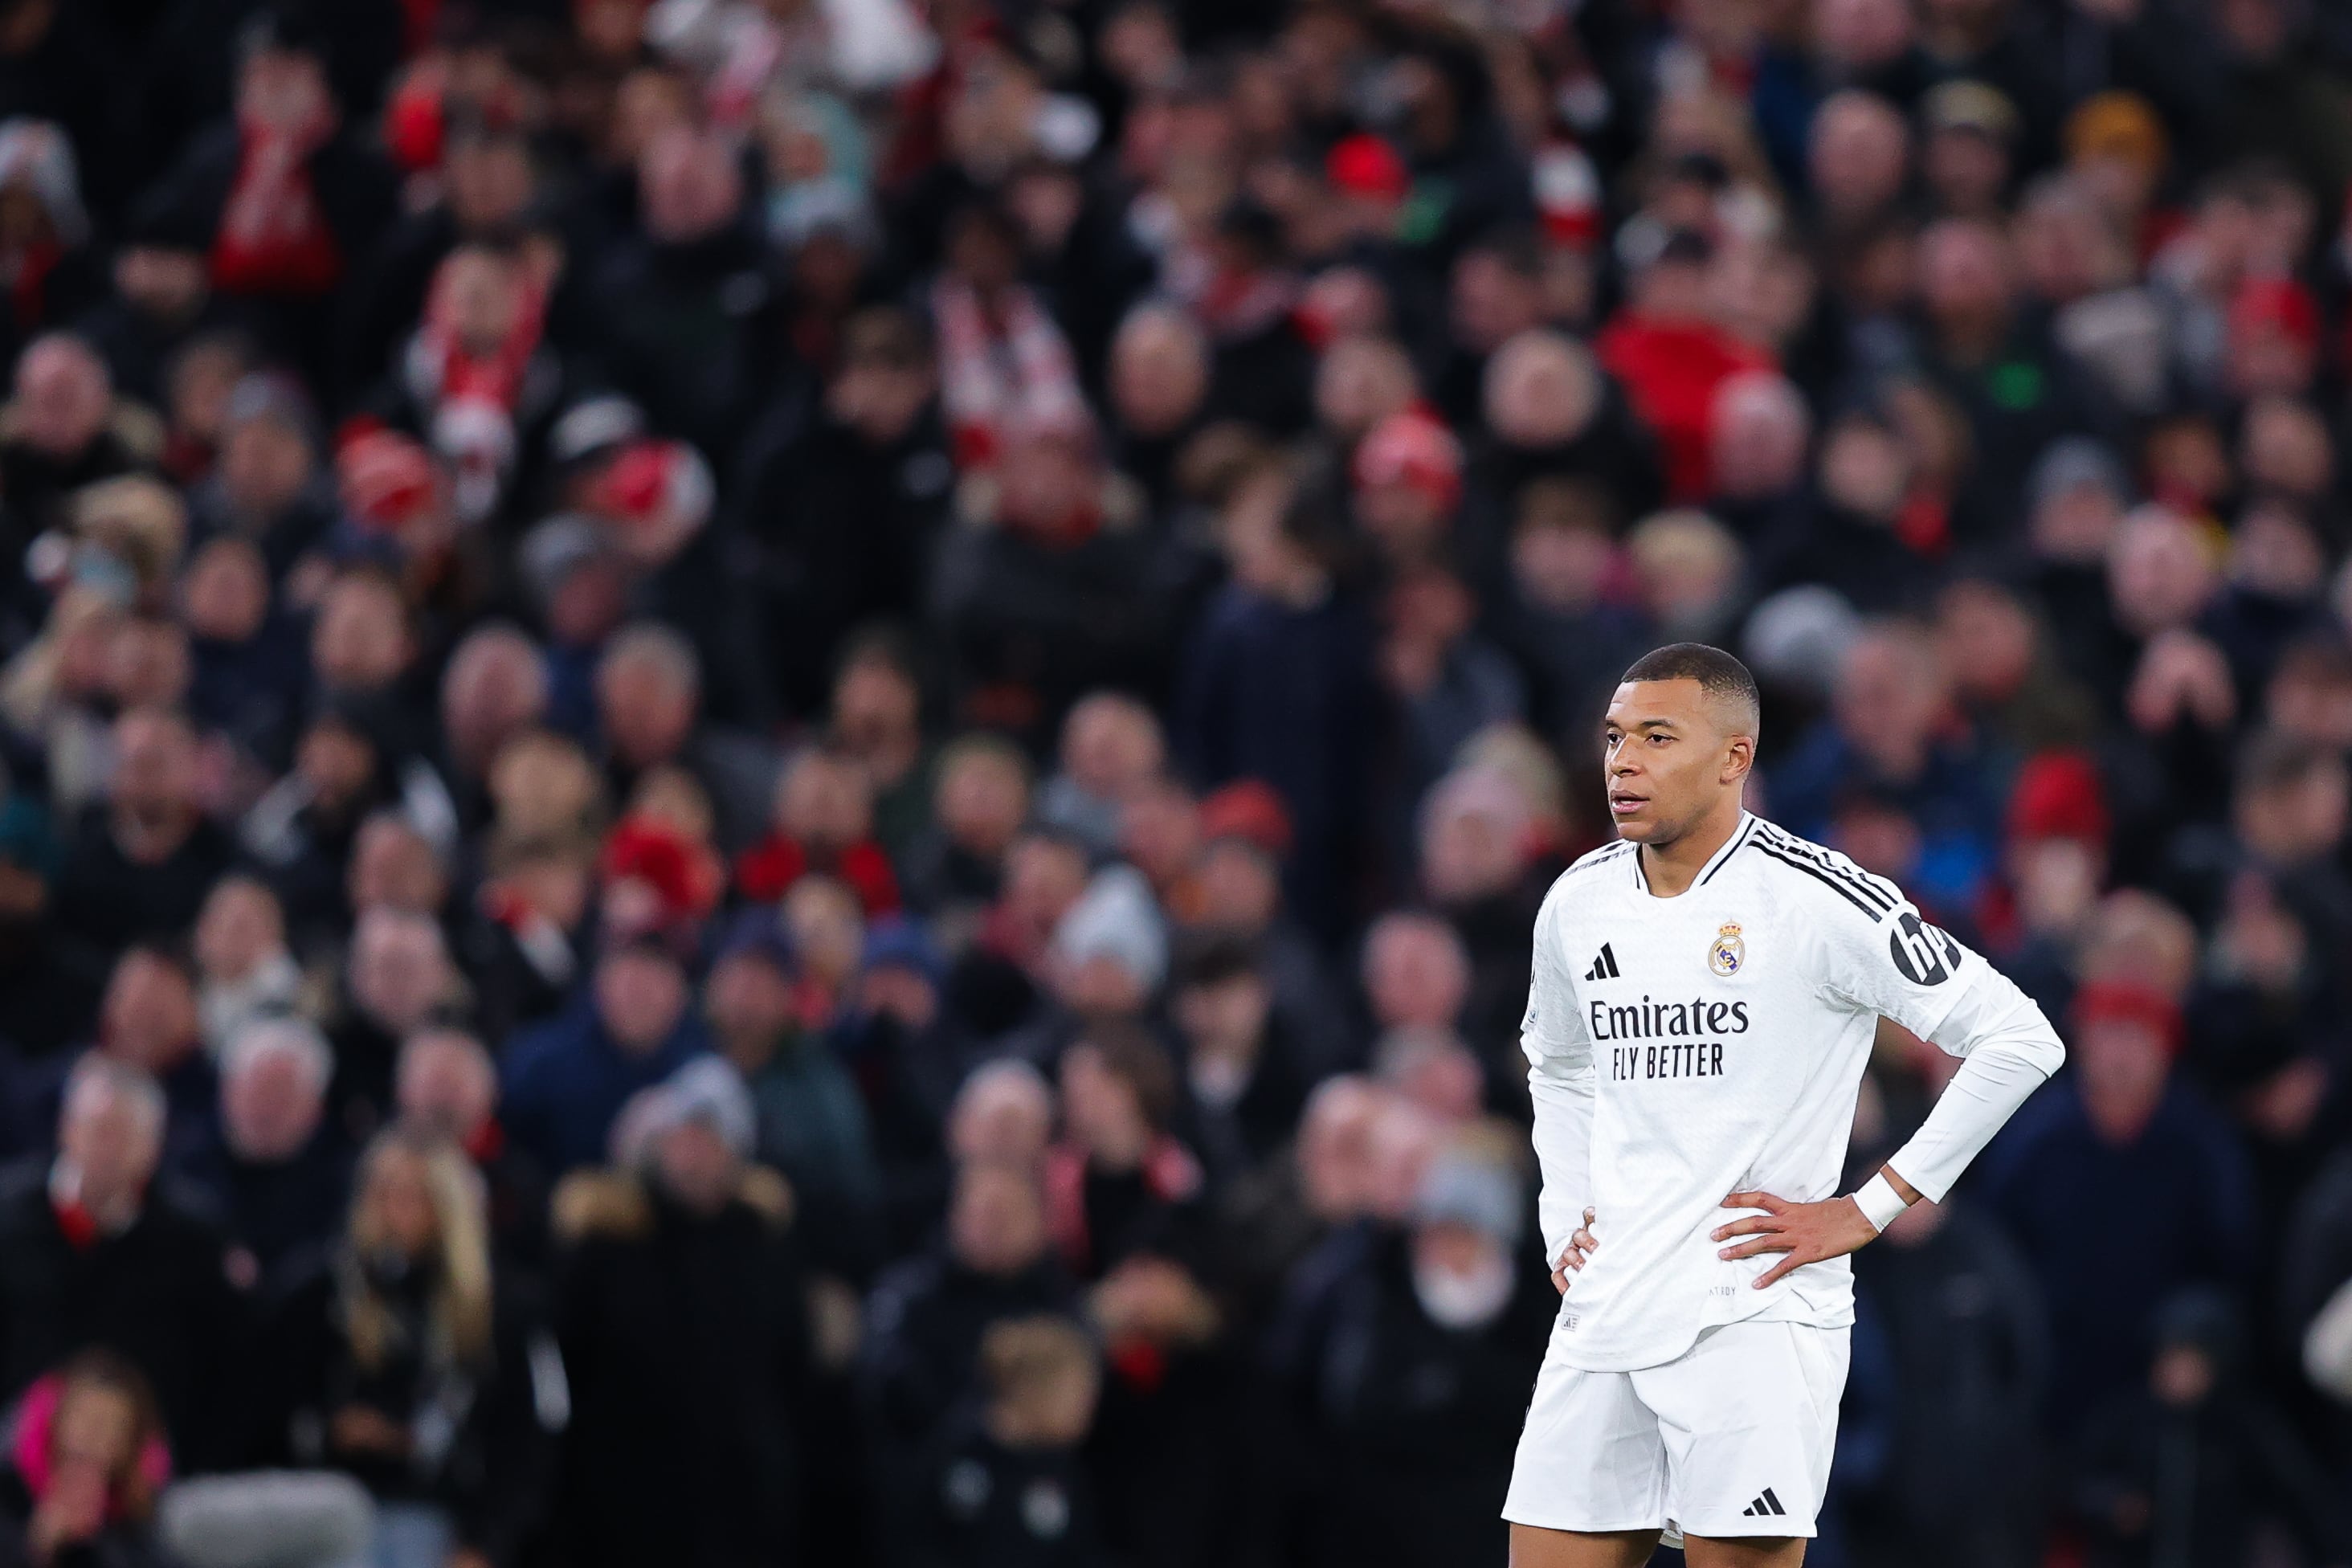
<point>1580,1246</point>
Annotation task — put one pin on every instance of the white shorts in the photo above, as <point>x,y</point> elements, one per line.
<point>1733,1438</point>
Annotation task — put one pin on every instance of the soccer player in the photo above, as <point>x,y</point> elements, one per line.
<point>1705,996</point>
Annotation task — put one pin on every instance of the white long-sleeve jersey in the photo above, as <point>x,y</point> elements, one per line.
<point>1685,1048</point>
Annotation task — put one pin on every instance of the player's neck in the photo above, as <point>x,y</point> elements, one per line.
<point>1671,868</point>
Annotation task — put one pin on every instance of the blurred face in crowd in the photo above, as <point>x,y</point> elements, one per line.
<point>1043,877</point>
<point>749,1002</point>
<point>283,89</point>
<point>63,396</point>
<point>1984,635</point>
<point>1224,1018</point>
<point>688,185</point>
<point>1240,887</point>
<point>360,640</point>
<point>1471,853</point>
<point>1431,1070</point>
<point>481,291</point>
<point>240,928</point>
<point>877,712</point>
<point>154,767</point>
<point>824,803</point>
<point>1102,1111</point>
<point>640,997</point>
<point>489,180</point>
<point>1337,1148</point>
<point>1857,34</point>
<point>225,597</point>
<point>2067,246</point>
<point>148,663</point>
<point>1494,299</point>
<point>148,1016</point>
<point>1461,1273</point>
<point>2160,572</point>
<point>198,384</point>
<point>394,866</point>
<point>494,689</point>
<point>445,1086</point>
<point>336,762</point>
<point>2076,522</point>
<point>2123,1067</point>
<point>1159,832</point>
<point>2310,697</point>
<point>980,801</point>
<point>646,707</point>
<point>880,396</point>
<point>1541,391</point>
<point>164,282</point>
<point>112,1139</point>
<point>399,970</point>
<point>1859,156</point>
<point>1966,168</point>
<point>272,1105</point>
<point>1414,972</point>
<point>1560,550</point>
<point>1361,381</point>
<point>997,1223</point>
<point>1111,746</point>
<point>696,1166</point>
<point>828,930</point>
<point>1003,1115</point>
<point>265,465</point>
<point>95,1432</point>
<point>2286,448</point>
<point>1760,428</point>
<point>1158,372</point>
<point>1963,278</point>
<point>2298,814</point>
<point>1864,468</point>
<point>1890,698</point>
<point>397,1194</point>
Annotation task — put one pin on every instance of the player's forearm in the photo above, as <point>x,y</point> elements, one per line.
<point>1563,1139</point>
<point>2009,1049</point>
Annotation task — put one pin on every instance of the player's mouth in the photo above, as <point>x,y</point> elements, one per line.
<point>1623,802</point>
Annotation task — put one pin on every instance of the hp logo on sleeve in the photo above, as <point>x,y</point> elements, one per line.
<point>1924,956</point>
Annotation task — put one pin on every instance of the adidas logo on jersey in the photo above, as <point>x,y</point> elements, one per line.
<point>1765,1506</point>
<point>1603,967</point>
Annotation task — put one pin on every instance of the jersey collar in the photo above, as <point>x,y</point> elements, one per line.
<point>1730,846</point>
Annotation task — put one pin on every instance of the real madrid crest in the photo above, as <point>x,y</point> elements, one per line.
<point>1728,953</point>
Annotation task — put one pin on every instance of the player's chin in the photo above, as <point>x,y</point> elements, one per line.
<point>1637,825</point>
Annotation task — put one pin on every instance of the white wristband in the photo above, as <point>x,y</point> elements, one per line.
<point>1879,1202</point>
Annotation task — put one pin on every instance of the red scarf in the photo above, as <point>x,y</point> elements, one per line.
<point>273,237</point>
<point>447,372</point>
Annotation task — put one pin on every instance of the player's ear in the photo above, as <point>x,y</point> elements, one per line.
<point>1739,757</point>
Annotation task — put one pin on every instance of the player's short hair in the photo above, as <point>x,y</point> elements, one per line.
<point>1720,675</point>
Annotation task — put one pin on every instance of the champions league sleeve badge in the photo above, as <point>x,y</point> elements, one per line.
<point>1729,953</point>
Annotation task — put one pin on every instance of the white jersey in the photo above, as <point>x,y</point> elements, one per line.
<point>1712,1043</point>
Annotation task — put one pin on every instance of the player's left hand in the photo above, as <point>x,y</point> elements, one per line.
<point>1808,1233</point>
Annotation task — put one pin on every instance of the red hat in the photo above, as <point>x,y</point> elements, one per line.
<point>385,479</point>
<point>1411,447</point>
<point>653,478</point>
<point>1250,810</point>
<point>1568,195</point>
<point>2059,795</point>
<point>2121,1001</point>
<point>684,876</point>
<point>2278,304</point>
<point>1364,165</point>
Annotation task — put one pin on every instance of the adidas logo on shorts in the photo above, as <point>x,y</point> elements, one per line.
<point>1767,1505</point>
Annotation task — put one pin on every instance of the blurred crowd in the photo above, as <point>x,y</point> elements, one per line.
<point>775,770</point>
